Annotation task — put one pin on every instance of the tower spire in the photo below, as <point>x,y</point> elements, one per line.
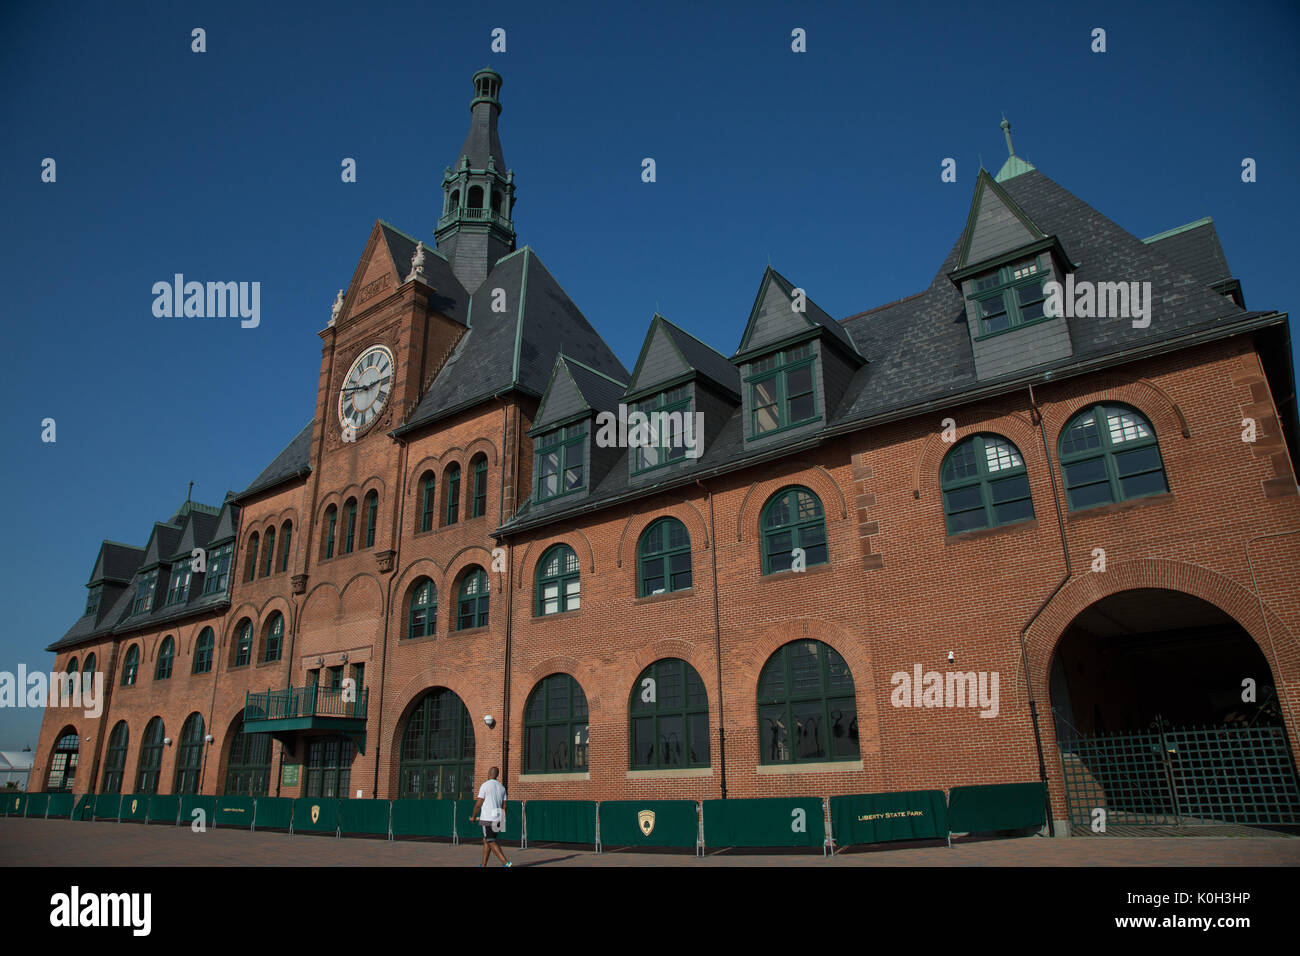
<point>1014,165</point>
<point>1006,128</point>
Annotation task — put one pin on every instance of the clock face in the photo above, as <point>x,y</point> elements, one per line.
<point>366,388</point>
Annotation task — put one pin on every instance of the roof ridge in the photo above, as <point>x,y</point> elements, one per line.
<point>561,357</point>
<point>695,338</point>
<point>1187,227</point>
<point>877,308</point>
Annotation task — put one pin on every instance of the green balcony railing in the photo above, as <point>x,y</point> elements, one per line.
<point>309,701</point>
<point>470,214</point>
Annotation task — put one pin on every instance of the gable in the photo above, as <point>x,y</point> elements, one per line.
<point>376,274</point>
<point>563,399</point>
<point>660,360</point>
<point>996,224</point>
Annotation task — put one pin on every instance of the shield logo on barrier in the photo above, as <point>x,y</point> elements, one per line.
<point>646,820</point>
<point>16,802</point>
<point>134,804</point>
<point>315,813</point>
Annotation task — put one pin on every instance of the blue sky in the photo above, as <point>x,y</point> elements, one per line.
<point>225,166</point>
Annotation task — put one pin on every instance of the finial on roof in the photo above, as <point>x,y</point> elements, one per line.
<point>417,264</point>
<point>1006,129</point>
<point>338,304</point>
<point>188,492</point>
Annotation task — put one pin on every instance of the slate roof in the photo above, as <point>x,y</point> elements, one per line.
<point>1195,249</point>
<point>116,563</point>
<point>292,462</point>
<point>705,359</point>
<point>919,352</point>
<point>515,349</point>
<point>450,297</point>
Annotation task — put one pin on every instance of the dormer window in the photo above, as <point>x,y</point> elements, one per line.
<point>92,599</point>
<point>664,441</point>
<point>144,593</point>
<point>179,588</point>
<point>1009,297</point>
<point>218,569</point>
<point>781,390</point>
<point>561,461</point>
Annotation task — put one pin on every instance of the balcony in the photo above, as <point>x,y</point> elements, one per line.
<point>467,214</point>
<point>283,713</point>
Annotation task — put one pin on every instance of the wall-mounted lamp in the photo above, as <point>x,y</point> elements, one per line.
<point>320,662</point>
<point>209,738</point>
<point>167,741</point>
<point>345,657</point>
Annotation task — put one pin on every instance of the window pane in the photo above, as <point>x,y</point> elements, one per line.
<point>557,747</point>
<point>1151,483</point>
<point>963,498</point>
<point>1085,472</point>
<point>961,462</point>
<point>643,748</point>
<point>1081,436</point>
<point>1014,511</point>
<point>1139,460</point>
<point>967,520</point>
<point>773,735</point>
<point>1008,489</point>
<point>799,381</point>
<point>844,728</point>
<point>699,739</point>
<point>671,746</point>
<point>810,730</point>
<point>1089,495</point>
<point>801,408</point>
<point>1125,426</point>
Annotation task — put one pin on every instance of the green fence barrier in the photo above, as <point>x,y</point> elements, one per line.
<point>234,812</point>
<point>193,801</point>
<point>107,806</point>
<point>36,805</point>
<point>364,817</point>
<point>85,807</point>
<point>59,806</point>
<point>316,815</point>
<point>164,808</point>
<point>560,821</point>
<point>997,806</point>
<point>513,831</point>
<point>15,804</point>
<point>424,818</point>
<point>273,813</point>
<point>880,817</point>
<point>648,823</point>
<point>763,822</point>
<point>135,808</point>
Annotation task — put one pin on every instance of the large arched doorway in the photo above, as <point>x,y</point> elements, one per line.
<point>1167,714</point>
<point>437,748</point>
<point>62,774</point>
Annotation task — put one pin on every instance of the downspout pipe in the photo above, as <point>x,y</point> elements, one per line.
<point>717,644</point>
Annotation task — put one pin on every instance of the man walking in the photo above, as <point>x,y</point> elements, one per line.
<point>491,799</point>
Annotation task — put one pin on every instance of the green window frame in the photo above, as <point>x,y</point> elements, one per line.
<point>349,524</point>
<point>664,558</point>
<point>555,727</point>
<point>452,477</point>
<point>131,665</point>
<point>669,445</point>
<point>274,638</point>
<point>984,484</point>
<point>189,755</point>
<point>88,673</point>
<point>203,651</point>
<point>793,518</point>
<point>62,776</point>
<point>1011,297</point>
<point>248,768</point>
<point>244,644</point>
<point>561,462</point>
<point>218,569</point>
<point>92,599</point>
<point>331,522</point>
<point>422,618</point>
<point>783,390</point>
<point>151,749</point>
<point>668,718</point>
<point>270,553</point>
<point>144,589</point>
<point>166,656</point>
<point>472,599</point>
<point>559,583</point>
<point>252,556</point>
<point>428,488</point>
<point>178,588</point>
<point>806,686</point>
<point>115,758</point>
<point>372,516</point>
<point>286,534</point>
<point>480,486</point>
<point>1109,453</point>
<point>329,767</point>
<point>72,665</point>
<point>437,755</point>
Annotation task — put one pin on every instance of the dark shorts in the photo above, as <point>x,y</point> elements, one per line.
<point>489,835</point>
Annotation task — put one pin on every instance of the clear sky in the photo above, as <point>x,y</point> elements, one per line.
<point>225,165</point>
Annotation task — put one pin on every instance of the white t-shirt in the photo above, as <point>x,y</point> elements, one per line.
<point>492,794</point>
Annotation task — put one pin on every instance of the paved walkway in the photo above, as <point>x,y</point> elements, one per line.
<point>68,843</point>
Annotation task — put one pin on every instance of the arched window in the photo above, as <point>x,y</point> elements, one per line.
<point>252,556</point>
<point>663,558</point>
<point>331,521</point>
<point>479,466</point>
<point>189,755</point>
<point>984,484</point>
<point>669,717</point>
<point>273,639</point>
<point>557,581</point>
<point>166,654</point>
<point>72,665</point>
<point>437,758</point>
<point>475,197</point>
<point>496,202</point>
<point>472,599</point>
<point>243,644</point>
<point>203,651</point>
<point>807,710</point>
<point>424,609</point>
<point>555,726</point>
<point>793,518</point>
<point>1109,453</point>
<point>452,477</point>
<point>372,516</point>
<point>428,485</point>
<point>151,748</point>
<point>349,524</point>
<point>88,673</point>
<point>286,534</point>
<point>115,758</point>
<point>455,201</point>
<point>131,666</point>
<point>63,763</point>
<point>270,553</point>
<point>248,768</point>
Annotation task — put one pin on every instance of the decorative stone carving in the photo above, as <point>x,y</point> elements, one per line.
<point>299,583</point>
<point>385,559</point>
<point>338,305</point>
<point>417,265</point>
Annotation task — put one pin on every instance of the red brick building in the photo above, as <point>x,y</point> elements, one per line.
<point>1091,518</point>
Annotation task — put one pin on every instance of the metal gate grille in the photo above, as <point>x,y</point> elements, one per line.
<point>1187,777</point>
